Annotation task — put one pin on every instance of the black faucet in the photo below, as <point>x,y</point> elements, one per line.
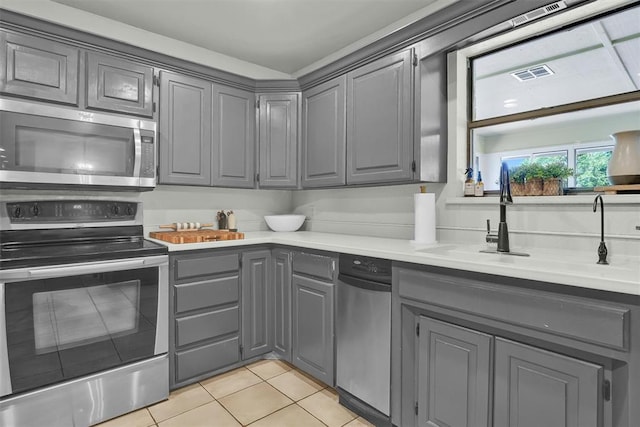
<point>602,249</point>
<point>505,199</point>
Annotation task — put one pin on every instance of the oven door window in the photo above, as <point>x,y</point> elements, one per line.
<point>63,328</point>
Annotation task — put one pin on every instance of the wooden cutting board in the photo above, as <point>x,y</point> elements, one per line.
<point>617,189</point>
<point>195,236</point>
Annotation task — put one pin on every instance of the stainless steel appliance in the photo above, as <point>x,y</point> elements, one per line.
<point>83,313</point>
<point>47,146</point>
<point>363,337</point>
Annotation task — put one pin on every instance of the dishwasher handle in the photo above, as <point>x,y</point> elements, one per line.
<point>364,284</point>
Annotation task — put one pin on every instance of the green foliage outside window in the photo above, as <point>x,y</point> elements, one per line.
<point>591,168</point>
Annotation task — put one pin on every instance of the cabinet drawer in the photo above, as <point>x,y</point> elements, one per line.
<point>313,265</point>
<point>207,358</point>
<point>205,265</point>
<point>574,317</point>
<point>208,293</point>
<point>206,325</point>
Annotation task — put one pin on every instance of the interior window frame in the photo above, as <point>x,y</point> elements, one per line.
<point>541,112</point>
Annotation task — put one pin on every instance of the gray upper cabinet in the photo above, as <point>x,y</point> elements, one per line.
<point>185,130</point>
<point>534,387</point>
<point>257,303</point>
<point>119,85</point>
<point>233,132</point>
<point>380,121</point>
<point>454,382</point>
<point>38,68</point>
<point>278,140</point>
<point>323,134</point>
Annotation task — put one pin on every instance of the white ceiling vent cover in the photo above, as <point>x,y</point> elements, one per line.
<point>533,73</point>
<point>537,13</point>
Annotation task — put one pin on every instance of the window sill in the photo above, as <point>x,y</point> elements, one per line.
<point>614,199</point>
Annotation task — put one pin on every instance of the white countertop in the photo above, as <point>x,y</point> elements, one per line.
<point>554,266</point>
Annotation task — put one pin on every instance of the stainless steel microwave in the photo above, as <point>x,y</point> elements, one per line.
<point>46,146</point>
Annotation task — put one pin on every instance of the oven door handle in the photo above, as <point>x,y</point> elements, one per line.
<point>94,267</point>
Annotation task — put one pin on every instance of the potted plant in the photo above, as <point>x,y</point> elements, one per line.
<point>533,184</point>
<point>516,178</point>
<point>554,174</point>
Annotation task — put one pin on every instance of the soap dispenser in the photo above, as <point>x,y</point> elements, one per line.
<point>479,189</point>
<point>469,184</point>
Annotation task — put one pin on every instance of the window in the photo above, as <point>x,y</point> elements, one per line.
<point>558,96</point>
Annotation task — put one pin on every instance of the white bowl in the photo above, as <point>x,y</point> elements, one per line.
<point>284,222</point>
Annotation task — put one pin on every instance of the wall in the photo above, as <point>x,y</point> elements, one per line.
<point>168,203</point>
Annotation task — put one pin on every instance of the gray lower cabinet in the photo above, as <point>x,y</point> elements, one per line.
<point>454,368</point>
<point>184,130</point>
<point>278,140</point>
<point>380,146</point>
<point>312,315</point>
<point>119,85</point>
<point>204,332</point>
<point>281,278</point>
<point>38,68</point>
<point>534,387</point>
<point>531,387</point>
<point>504,352</point>
<point>233,137</point>
<point>324,134</point>
<point>257,303</point>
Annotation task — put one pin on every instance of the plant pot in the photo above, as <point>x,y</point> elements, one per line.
<point>533,187</point>
<point>624,165</point>
<point>517,189</point>
<point>552,187</point>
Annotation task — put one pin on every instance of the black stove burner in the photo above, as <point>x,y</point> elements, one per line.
<point>33,248</point>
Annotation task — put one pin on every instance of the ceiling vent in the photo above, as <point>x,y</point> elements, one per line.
<point>532,73</point>
<point>538,13</point>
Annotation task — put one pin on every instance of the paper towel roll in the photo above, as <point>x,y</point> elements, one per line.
<point>425,218</point>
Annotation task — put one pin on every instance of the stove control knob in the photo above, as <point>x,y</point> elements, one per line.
<point>129,210</point>
<point>115,209</point>
<point>17,212</point>
<point>35,210</point>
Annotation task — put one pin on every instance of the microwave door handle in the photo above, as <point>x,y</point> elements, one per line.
<point>137,139</point>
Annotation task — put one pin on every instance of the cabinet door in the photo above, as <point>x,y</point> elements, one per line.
<point>119,85</point>
<point>278,140</point>
<point>233,143</point>
<point>534,387</point>
<point>324,134</point>
<point>185,130</point>
<point>257,304</point>
<point>281,277</point>
<point>379,121</point>
<point>312,327</point>
<point>38,68</point>
<point>454,366</point>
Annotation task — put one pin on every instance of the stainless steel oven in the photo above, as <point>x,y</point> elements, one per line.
<point>47,146</point>
<point>83,313</point>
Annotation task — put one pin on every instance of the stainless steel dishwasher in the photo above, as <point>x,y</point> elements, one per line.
<point>363,337</point>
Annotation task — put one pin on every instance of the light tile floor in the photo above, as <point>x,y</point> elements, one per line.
<point>263,394</point>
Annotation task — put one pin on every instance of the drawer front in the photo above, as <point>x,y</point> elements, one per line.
<point>313,265</point>
<point>205,265</point>
<point>206,325</point>
<point>208,293</point>
<point>207,358</point>
<point>578,318</point>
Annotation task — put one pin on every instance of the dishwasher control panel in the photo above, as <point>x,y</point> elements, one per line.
<point>375,269</point>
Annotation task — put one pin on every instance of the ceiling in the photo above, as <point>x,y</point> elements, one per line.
<point>283,35</point>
